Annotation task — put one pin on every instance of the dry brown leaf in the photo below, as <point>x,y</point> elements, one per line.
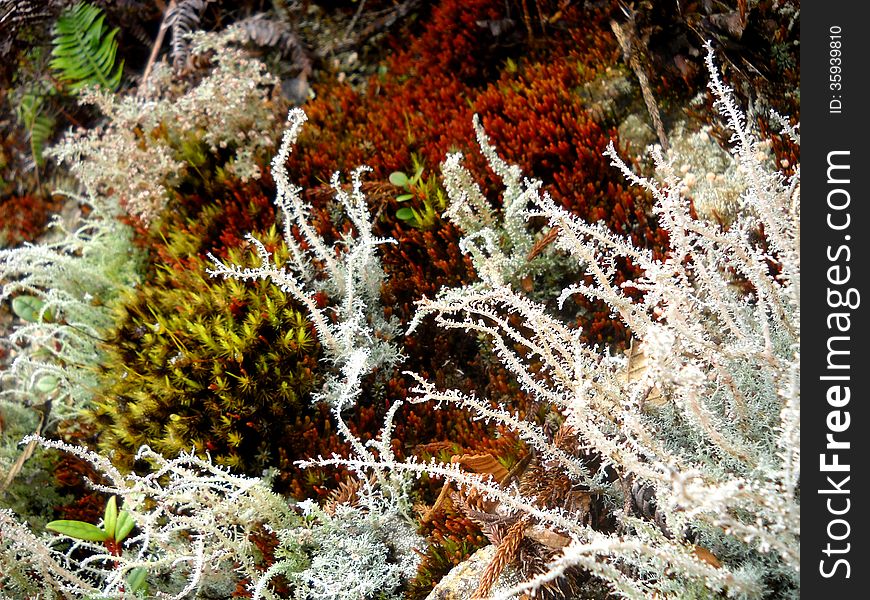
<point>548,537</point>
<point>483,464</point>
<point>637,366</point>
<point>706,556</point>
<point>542,243</point>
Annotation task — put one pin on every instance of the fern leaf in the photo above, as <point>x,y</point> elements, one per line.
<point>84,51</point>
<point>37,123</point>
<point>262,31</point>
<point>183,19</point>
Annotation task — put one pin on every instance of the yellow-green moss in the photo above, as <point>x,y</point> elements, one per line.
<point>219,366</point>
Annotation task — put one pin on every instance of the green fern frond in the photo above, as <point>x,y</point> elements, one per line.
<point>38,124</point>
<point>84,51</point>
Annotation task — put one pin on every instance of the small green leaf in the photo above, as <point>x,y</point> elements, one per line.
<point>123,526</point>
<point>399,179</point>
<point>110,517</point>
<point>78,530</point>
<point>404,197</point>
<point>136,580</point>
<point>27,307</point>
<point>417,174</point>
<point>46,384</point>
<point>406,214</point>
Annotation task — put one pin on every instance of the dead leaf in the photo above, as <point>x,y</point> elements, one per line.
<point>706,556</point>
<point>543,242</point>
<point>484,464</point>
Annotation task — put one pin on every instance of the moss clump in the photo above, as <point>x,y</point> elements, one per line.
<point>218,366</point>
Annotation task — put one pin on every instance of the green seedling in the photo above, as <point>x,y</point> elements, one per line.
<point>117,525</point>
<point>400,179</point>
<point>426,191</point>
<point>79,530</point>
<point>136,580</point>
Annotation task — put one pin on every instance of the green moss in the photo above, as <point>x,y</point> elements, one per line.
<point>219,366</point>
<point>37,472</point>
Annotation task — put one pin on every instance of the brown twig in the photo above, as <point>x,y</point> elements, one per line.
<point>27,452</point>
<point>527,19</point>
<point>355,18</point>
<point>377,26</point>
<point>626,35</point>
<point>158,43</point>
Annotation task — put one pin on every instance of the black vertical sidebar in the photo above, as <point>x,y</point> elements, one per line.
<point>835,300</point>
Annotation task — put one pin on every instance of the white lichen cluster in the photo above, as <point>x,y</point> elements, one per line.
<point>353,553</point>
<point>355,561</point>
<point>722,447</point>
<point>710,176</point>
<point>193,522</point>
<point>148,143</point>
<point>707,171</point>
<point>194,531</point>
<point>74,279</point>
<point>353,331</point>
<point>718,318</point>
<point>497,244</point>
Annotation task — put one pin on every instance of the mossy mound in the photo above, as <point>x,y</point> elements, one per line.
<point>222,367</point>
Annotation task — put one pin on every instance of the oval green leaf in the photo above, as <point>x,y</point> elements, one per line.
<point>46,384</point>
<point>404,197</point>
<point>123,526</point>
<point>110,517</point>
<point>136,580</point>
<point>78,530</point>
<point>406,214</point>
<point>27,307</point>
<point>399,179</point>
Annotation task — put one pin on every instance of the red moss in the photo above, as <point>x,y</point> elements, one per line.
<point>266,543</point>
<point>71,474</point>
<point>219,220</point>
<point>538,121</point>
<point>423,104</point>
<point>23,218</point>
